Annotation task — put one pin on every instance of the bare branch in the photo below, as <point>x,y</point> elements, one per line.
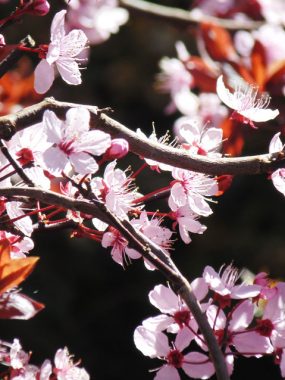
<point>258,164</point>
<point>183,17</point>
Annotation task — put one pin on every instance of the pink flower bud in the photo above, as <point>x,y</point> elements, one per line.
<point>118,149</point>
<point>38,7</point>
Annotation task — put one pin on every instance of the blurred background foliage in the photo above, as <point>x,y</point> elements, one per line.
<point>92,304</point>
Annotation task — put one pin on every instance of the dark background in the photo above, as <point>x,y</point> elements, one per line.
<point>92,304</point>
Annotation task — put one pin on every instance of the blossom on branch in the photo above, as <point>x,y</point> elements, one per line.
<point>62,53</point>
<point>72,142</point>
<point>248,104</point>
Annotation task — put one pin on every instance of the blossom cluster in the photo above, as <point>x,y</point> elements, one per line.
<point>13,357</point>
<point>247,319</point>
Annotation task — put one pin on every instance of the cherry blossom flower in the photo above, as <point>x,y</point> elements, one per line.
<point>116,190</point>
<point>224,283</point>
<point>155,345</point>
<point>65,369</point>
<point>191,189</point>
<point>98,19</point>
<point>249,106</point>
<point>234,332</point>
<point>272,323</point>
<point>273,11</point>
<point>151,229</point>
<point>187,222</point>
<point>177,80</point>
<point>175,314</point>
<point>19,246</point>
<point>73,143</point>
<point>203,140</point>
<point>61,53</point>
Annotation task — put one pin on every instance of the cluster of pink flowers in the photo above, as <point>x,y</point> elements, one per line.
<point>18,362</point>
<point>247,320</point>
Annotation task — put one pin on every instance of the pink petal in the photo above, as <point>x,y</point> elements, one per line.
<point>200,288</point>
<point>150,343</point>
<point>278,179</point>
<point>167,372</point>
<point>83,163</point>
<point>159,323</point>
<point>164,299</point>
<point>275,143</point>
<point>183,338</point>
<point>200,367</point>
<point>44,77</point>
<point>242,316</point>
<point>57,26</point>
<point>225,95</point>
<point>260,115</point>
<point>245,291</point>
<point>252,344</point>
<point>69,70</point>
<point>214,281</point>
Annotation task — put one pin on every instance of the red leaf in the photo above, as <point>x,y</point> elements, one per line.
<point>218,42</point>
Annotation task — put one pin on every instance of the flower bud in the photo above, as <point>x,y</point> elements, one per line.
<point>118,149</point>
<point>38,7</point>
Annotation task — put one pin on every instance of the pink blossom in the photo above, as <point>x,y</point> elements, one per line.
<point>73,143</point>
<point>187,222</point>
<point>246,102</point>
<point>155,345</point>
<point>192,189</point>
<point>225,283</point>
<point>65,369</point>
<point>98,19</point>
<point>151,229</point>
<point>61,53</point>
<point>116,190</point>
<point>203,140</point>
<point>247,343</point>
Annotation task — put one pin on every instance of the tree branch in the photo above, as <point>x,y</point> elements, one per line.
<point>264,163</point>
<point>147,249</point>
<point>183,17</point>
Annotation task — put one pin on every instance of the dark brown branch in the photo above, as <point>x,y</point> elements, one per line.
<point>183,17</point>
<point>258,164</point>
<point>148,250</point>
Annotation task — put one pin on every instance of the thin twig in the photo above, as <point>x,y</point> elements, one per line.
<point>183,17</point>
<point>258,164</point>
<point>13,57</point>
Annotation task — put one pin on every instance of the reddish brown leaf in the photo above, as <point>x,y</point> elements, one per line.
<point>15,272</point>
<point>15,305</point>
<point>258,64</point>
<point>218,42</point>
<point>224,183</point>
<point>233,136</point>
<point>204,77</point>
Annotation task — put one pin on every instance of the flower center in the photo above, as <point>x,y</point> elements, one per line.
<point>265,327</point>
<point>182,317</point>
<point>175,358</point>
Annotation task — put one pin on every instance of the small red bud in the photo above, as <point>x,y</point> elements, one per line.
<point>37,7</point>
